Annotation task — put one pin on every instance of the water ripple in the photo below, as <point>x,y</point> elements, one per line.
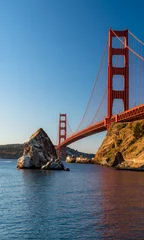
<point>89,202</point>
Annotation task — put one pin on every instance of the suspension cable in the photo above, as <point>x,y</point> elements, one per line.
<point>99,106</point>
<point>69,126</point>
<point>127,46</point>
<point>135,37</point>
<point>139,75</point>
<point>94,85</point>
<point>57,138</point>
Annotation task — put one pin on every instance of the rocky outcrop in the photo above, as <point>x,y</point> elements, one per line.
<point>38,150</point>
<point>53,165</point>
<point>123,146</point>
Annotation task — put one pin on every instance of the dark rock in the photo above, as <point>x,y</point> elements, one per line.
<point>67,169</point>
<point>53,165</point>
<point>118,159</point>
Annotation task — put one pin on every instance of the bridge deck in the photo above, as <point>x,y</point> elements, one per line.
<point>132,114</point>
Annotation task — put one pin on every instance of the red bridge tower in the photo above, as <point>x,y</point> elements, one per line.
<point>62,131</point>
<point>113,70</point>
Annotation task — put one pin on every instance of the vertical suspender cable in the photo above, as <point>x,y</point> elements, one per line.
<point>139,75</point>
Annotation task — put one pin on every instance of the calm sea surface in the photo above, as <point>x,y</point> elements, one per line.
<point>89,202</point>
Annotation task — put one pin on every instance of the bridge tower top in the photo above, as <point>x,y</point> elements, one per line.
<point>113,70</point>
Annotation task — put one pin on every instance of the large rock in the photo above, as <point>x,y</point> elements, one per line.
<point>38,150</point>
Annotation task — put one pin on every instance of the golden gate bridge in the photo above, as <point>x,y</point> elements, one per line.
<point>120,78</point>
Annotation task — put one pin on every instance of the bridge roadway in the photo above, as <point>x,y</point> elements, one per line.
<point>132,114</point>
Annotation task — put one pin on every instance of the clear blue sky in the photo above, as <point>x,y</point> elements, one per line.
<point>50,52</point>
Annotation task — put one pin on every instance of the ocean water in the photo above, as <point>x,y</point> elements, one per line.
<point>89,202</point>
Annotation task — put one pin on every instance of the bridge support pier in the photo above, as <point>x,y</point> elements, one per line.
<point>107,122</point>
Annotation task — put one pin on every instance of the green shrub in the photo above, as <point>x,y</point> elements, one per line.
<point>132,142</point>
<point>133,149</point>
<point>137,130</point>
<point>113,145</point>
<point>122,125</point>
<point>119,141</point>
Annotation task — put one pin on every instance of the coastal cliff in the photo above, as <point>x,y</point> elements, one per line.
<point>124,138</point>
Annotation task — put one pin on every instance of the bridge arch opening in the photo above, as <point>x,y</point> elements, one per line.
<point>116,43</point>
<point>62,131</point>
<point>62,124</point>
<point>118,61</point>
<point>118,82</point>
<point>118,106</point>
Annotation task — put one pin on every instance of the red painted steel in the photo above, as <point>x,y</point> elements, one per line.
<point>113,70</point>
<point>128,115</point>
<point>99,127</point>
<point>62,130</point>
<point>132,114</point>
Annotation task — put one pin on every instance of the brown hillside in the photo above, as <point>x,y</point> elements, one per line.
<point>127,138</point>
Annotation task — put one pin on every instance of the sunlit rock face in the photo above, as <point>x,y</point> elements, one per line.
<point>123,146</point>
<point>38,150</point>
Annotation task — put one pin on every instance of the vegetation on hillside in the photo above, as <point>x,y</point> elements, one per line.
<point>11,151</point>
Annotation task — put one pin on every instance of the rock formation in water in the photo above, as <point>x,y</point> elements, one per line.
<point>39,151</point>
<point>54,165</point>
<point>123,146</point>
